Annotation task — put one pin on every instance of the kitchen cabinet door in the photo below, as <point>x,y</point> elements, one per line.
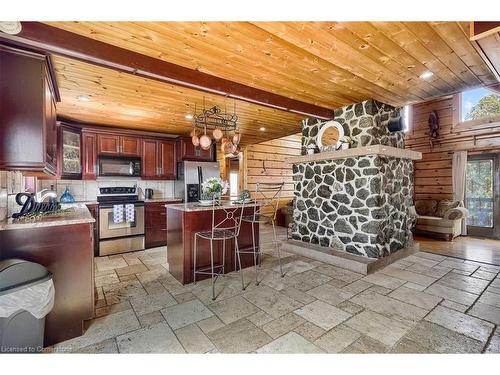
<point>28,134</point>
<point>69,154</point>
<point>108,144</point>
<point>155,223</point>
<point>150,167</point>
<point>167,160</point>
<point>130,146</point>
<point>187,151</point>
<point>89,156</point>
<point>50,127</point>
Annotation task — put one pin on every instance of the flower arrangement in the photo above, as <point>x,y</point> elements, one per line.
<point>214,186</point>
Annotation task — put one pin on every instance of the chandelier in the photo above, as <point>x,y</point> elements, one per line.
<point>223,126</point>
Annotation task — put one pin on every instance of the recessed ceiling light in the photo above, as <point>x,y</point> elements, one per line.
<point>189,117</point>
<point>426,74</point>
<point>83,98</point>
<point>262,129</point>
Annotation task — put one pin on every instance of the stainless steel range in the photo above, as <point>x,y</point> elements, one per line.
<point>120,235</point>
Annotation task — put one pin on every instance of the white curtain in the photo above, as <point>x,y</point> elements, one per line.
<point>458,172</point>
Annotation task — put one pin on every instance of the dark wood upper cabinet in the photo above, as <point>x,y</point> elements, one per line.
<point>187,151</point>
<point>28,133</point>
<point>108,144</point>
<point>112,144</point>
<point>159,159</point>
<point>89,156</point>
<point>167,160</point>
<point>130,146</point>
<point>150,159</point>
<point>69,153</point>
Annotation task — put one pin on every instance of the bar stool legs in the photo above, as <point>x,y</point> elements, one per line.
<point>255,254</point>
<point>237,247</point>
<point>212,268</point>
<point>195,253</point>
<point>276,246</point>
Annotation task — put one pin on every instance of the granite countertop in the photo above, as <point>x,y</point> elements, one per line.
<point>193,207</point>
<point>79,215</point>
<point>171,199</point>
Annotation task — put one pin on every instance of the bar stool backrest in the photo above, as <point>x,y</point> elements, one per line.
<point>268,196</point>
<point>230,217</point>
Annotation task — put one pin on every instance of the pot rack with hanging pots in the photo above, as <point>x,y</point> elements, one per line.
<point>223,127</point>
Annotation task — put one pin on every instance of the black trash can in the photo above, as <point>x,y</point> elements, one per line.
<point>26,297</point>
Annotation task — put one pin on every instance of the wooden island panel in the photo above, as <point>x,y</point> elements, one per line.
<point>181,228</point>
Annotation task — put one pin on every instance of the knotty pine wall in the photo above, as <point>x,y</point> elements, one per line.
<point>433,174</point>
<point>263,162</point>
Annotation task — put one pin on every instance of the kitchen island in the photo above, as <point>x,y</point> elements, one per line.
<point>62,243</point>
<point>184,220</point>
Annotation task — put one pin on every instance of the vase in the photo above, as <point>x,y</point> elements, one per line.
<point>66,197</point>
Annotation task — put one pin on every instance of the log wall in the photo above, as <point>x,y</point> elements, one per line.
<point>433,174</point>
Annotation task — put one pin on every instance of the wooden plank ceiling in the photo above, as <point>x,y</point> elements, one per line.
<point>326,64</point>
<point>125,100</point>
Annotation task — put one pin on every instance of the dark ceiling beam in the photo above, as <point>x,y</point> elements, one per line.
<point>56,41</point>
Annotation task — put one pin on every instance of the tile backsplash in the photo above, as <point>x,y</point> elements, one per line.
<point>11,183</point>
<point>87,190</point>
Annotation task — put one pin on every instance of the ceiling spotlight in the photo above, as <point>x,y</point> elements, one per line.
<point>83,98</point>
<point>427,74</point>
<point>189,117</point>
<point>262,129</point>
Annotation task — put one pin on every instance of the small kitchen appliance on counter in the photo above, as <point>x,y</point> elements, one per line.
<point>148,193</point>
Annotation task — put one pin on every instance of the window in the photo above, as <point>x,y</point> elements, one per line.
<point>233,183</point>
<point>479,104</point>
<point>406,118</point>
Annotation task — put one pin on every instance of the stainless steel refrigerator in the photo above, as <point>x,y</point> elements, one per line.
<point>190,175</point>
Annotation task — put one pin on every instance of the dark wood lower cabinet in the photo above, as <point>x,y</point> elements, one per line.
<point>155,223</point>
<point>94,211</point>
<point>66,251</point>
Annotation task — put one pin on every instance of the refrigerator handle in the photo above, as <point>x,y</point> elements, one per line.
<point>200,180</point>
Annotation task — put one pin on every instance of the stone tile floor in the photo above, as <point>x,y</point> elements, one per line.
<point>425,303</point>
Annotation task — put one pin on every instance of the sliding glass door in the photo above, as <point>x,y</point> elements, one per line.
<point>482,195</point>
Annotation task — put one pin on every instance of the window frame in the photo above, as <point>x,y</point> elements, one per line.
<point>482,123</point>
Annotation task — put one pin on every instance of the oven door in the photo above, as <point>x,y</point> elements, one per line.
<point>109,229</point>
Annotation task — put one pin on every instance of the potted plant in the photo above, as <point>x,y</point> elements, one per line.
<point>213,188</point>
<point>346,142</point>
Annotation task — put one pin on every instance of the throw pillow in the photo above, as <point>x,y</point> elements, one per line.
<point>445,205</point>
<point>426,207</point>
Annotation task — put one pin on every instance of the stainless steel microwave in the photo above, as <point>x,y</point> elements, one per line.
<point>121,166</point>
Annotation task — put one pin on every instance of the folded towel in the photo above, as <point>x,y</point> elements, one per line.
<point>117,213</point>
<point>129,213</point>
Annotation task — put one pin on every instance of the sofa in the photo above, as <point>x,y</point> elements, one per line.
<point>439,219</point>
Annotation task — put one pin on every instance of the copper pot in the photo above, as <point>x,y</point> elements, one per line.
<point>217,134</point>
<point>205,142</point>
<point>195,140</point>
<point>236,138</point>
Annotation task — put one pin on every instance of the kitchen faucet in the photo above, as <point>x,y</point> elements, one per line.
<point>41,197</point>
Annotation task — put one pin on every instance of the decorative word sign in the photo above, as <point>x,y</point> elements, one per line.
<point>31,207</point>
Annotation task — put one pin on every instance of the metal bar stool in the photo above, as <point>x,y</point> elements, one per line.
<point>268,197</point>
<point>225,229</point>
